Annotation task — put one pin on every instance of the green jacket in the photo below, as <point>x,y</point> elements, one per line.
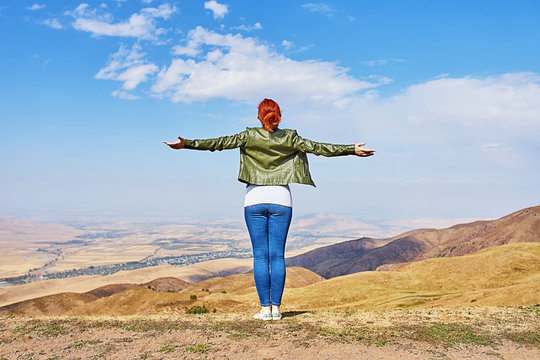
<point>271,158</point>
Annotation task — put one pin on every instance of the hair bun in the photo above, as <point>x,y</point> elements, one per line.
<point>269,114</point>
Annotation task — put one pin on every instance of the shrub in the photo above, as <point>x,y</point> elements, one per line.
<point>193,297</point>
<point>197,310</point>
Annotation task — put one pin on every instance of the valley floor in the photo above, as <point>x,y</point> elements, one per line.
<point>427,333</point>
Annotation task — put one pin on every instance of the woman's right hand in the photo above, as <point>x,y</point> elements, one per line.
<point>359,151</point>
<point>177,145</point>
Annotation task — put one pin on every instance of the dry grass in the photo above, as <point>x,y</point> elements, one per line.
<point>473,328</point>
<point>499,275</point>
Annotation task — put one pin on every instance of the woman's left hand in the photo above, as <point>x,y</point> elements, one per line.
<point>359,151</point>
<point>177,145</point>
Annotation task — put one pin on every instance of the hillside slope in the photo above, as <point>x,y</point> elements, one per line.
<point>61,303</point>
<point>152,296</point>
<point>358,255</point>
<point>499,275</point>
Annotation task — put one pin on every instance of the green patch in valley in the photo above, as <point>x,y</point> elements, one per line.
<point>527,337</point>
<point>447,334</point>
<point>197,310</point>
<point>167,348</point>
<point>199,348</point>
<point>140,325</point>
<point>41,328</point>
<point>83,343</point>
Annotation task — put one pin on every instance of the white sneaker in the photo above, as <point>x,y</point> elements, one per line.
<point>276,315</point>
<point>263,315</point>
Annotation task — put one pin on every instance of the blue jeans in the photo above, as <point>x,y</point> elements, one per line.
<point>268,225</point>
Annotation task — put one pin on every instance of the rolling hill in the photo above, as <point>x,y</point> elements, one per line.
<point>367,254</point>
<point>499,275</point>
<point>61,303</point>
<point>150,297</point>
<point>190,273</point>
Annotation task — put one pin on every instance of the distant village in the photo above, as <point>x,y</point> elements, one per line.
<point>181,260</point>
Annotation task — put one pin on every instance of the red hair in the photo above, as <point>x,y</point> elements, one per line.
<point>269,114</point>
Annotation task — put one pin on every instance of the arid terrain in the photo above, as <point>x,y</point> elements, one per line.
<point>438,333</point>
<point>505,275</point>
<point>472,292</point>
<point>444,308</point>
<point>40,248</point>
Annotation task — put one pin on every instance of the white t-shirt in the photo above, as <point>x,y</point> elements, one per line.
<point>268,194</point>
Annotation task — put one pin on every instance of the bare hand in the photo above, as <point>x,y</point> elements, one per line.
<point>177,145</point>
<point>359,151</point>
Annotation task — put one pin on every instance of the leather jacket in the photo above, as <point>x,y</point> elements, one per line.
<point>271,158</point>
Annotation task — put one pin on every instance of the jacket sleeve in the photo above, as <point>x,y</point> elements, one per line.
<point>220,143</point>
<point>317,148</point>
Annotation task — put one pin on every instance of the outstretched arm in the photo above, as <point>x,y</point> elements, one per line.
<point>220,143</point>
<point>325,149</point>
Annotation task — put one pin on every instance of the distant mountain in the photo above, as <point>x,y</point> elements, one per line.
<point>368,254</point>
<point>335,225</point>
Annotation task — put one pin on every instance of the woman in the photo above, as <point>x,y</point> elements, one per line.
<point>270,159</point>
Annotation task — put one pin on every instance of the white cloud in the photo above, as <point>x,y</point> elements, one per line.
<point>465,124</point>
<point>124,95</point>
<point>54,23</point>
<point>320,8</point>
<point>287,44</point>
<point>146,1</point>
<point>219,10</point>
<point>140,25</point>
<point>35,7</point>
<point>245,70</point>
<point>185,50</point>
<point>128,66</point>
<point>508,100</point>
<point>256,26</point>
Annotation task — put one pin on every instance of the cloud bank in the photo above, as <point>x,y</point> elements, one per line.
<point>242,68</point>
<point>209,64</point>
<point>141,25</point>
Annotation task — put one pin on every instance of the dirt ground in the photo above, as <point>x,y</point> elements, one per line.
<point>454,333</point>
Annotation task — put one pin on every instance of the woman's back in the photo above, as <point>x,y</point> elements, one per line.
<point>270,159</point>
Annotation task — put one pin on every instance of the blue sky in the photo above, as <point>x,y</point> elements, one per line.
<point>447,92</point>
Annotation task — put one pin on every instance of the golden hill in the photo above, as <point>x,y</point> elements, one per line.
<point>499,275</point>
<point>150,297</point>
<point>365,254</point>
<point>190,273</point>
<point>61,303</point>
<point>225,294</point>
